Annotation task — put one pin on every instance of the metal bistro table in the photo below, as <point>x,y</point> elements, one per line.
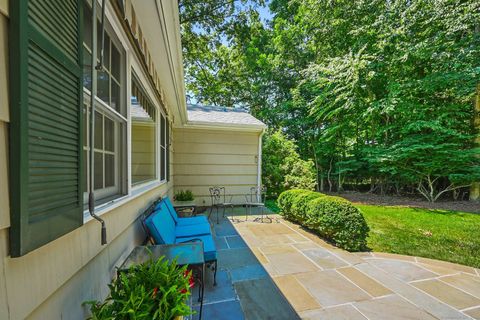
<point>190,253</point>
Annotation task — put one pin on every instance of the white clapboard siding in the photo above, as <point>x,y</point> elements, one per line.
<point>205,158</point>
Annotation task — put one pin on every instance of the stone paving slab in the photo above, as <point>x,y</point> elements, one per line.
<point>279,270</point>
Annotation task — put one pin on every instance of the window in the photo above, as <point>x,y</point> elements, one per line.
<point>110,120</point>
<point>144,132</point>
<point>163,147</point>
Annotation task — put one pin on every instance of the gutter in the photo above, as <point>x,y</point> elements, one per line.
<point>259,164</point>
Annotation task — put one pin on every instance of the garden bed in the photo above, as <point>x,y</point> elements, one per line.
<point>374,199</point>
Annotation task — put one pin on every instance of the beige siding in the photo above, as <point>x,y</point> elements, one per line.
<point>52,281</point>
<point>205,158</point>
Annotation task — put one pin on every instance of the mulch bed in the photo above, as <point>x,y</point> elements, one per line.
<point>374,199</point>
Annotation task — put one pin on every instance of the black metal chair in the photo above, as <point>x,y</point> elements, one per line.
<point>219,200</point>
<point>256,199</point>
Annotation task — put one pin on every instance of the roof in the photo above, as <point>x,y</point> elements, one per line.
<point>222,116</point>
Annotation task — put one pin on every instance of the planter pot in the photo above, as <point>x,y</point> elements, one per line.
<point>178,318</point>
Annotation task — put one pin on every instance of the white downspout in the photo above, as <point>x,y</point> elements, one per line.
<point>259,164</point>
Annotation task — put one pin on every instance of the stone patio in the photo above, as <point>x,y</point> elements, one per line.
<point>279,271</point>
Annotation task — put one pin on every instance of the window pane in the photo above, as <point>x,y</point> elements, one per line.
<point>115,103</point>
<point>85,126</point>
<point>98,130</point>
<point>109,134</point>
<point>85,171</point>
<point>98,162</point>
<point>87,26</point>
<point>103,84</point>
<point>109,170</point>
<point>162,164</point>
<point>143,152</point>
<point>162,133</point>
<point>87,69</point>
<point>116,62</point>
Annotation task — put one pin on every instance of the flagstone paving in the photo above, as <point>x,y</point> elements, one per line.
<point>280,271</point>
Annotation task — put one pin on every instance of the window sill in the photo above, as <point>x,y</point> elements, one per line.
<point>110,205</point>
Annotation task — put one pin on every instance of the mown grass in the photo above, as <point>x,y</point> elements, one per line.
<point>443,235</point>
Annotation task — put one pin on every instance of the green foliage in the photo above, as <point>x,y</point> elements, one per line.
<point>333,218</point>
<point>300,205</point>
<point>182,195</point>
<point>435,234</point>
<point>338,220</point>
<point>153,290</point>
<point>282,167</point>
<point>285,202</point>
<point>374,92</point>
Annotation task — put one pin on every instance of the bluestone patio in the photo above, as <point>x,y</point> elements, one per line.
<point>280,271</point>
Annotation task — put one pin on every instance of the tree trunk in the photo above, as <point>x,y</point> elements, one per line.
<point>475,188</point>
<point>328,176</point>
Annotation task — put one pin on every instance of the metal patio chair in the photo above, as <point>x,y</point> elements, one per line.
<point>256,199</point>
<point>219,200</point>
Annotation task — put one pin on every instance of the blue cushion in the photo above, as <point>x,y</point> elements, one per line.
<point>192,230</point>
<point>161,226</point>
<point>209,250</point>
<point>167,204</point>
<point>170,207</point>
<point>192,220</point>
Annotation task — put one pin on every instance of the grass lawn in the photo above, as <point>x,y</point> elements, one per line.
<point>443,235</point>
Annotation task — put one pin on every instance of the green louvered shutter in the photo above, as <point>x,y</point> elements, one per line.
<point>46,121</point>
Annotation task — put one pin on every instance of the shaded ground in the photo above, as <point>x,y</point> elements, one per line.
<point>369,198</point>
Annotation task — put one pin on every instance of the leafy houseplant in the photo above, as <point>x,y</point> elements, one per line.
<point>186,195</point>
<point>157,289</point>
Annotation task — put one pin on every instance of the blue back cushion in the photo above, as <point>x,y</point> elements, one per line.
<point>161,226</point>
<point>171,209</point>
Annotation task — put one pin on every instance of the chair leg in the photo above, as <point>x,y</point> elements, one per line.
<point>215,274</point>
<point>217,215</point>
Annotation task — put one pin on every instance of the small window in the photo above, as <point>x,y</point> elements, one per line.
<point>144,132</point>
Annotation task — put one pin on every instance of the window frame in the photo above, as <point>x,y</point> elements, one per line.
<point>121,183</point>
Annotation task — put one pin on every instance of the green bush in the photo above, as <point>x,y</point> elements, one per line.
<point>186,195</point>
<point>300,204</point>
<point>157,289</point>
<point>333,218</point>
<point>285,202</point>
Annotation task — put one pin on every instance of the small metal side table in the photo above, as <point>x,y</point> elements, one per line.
<point>185,208</point>
<point>190,253</point>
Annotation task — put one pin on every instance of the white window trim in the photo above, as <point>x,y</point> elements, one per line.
<point>132,64</point>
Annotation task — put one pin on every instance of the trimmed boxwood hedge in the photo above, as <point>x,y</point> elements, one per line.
<point>333,218</point>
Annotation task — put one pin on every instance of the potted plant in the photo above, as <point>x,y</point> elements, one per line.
<point>157,289</point>
<point>184,196</point>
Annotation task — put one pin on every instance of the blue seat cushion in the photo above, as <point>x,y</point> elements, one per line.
<point>192,220</point>
<point>209,249</point>
<point>161,227</point>
<point>192,230</point>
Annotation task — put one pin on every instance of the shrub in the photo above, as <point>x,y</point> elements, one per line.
<point>333,218</point>
<point>300,204</point>
<point>338,220</point>
<point>186,195</point>
<point>282,166</point>
<point>285,202</point>
<point>154,290</point>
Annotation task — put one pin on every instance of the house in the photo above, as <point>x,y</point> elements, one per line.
<point>146,145</point>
